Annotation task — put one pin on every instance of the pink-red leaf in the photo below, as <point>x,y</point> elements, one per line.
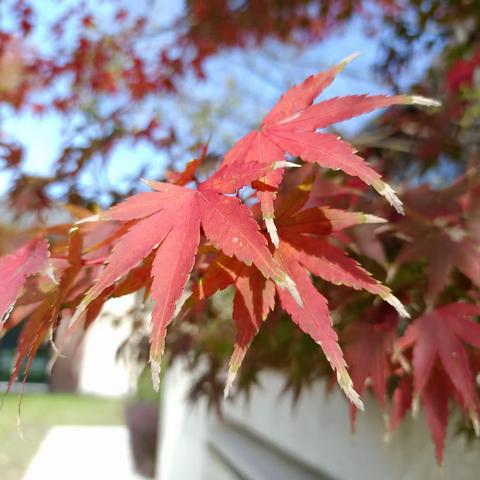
<point>440,360</point>
<point>329,151</point>
<point>15,268</point>
<point>435,403</point>
<point>444,250</point>
<point>309,221</point>
<point>437,336</point>
<point>314,319</point>
<point>401,401</point>
<point>250,159</point>
<point>231,228</point>
<point>170,271</point>
<point>333,265</point>
<point>143,237</point>
<point>143,204</point>
<point>302,96</point>
<point>254,298</point>
<point>368,347</point>
<point>290,128</point>
<point>131,249</point>
<point>342,219</point>
<point>338,109</point>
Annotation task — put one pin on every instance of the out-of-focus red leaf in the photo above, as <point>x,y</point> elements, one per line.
<point>440,360</point>
<point>376,338</point>
<point>28,260</point>
<point>435,398</point>
<point>401,401</point>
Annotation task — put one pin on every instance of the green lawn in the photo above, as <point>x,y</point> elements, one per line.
<point>38,413</point>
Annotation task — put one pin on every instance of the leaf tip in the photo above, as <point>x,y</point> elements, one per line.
<point>389,193</point>
<point>347,60</point>
<point>287,283</point>
<point>155,368</point>
<point>397,305</point>
<point>91,218</point>
<point>424,101</point>
<point>6,315</point>
<point>415,405</point>
<point>285,164</point>
<point>235,361</point>
<point>399,357</point>
<point>272,231</point>
<point>156,354</point>
<point>19,426</point>
<point>57,353</point>
<point>367,218</point>
<point>76,315</point>
<point>87,300</point>
<point>475,422</point>
<point>346,384</point>
<point>148,183</point>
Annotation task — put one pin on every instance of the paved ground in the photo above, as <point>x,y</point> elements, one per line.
<point>39,413</point>
<point>83,452</point>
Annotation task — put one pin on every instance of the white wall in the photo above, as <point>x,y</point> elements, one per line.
<point>183,430</point>
<point>101,373</point>
<point>317,432</point>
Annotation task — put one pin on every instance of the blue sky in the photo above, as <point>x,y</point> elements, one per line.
<point>241,86</point>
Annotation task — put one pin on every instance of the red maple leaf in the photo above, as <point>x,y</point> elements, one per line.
<point>445,234</point>
<point>290,128</point>
<point>307,243</point>
<point>302,249</point>
<point>43,319</point>
<point>165,226</point>
<point>167,222</point>
<point>441,366</point>
<point>28,260</point>
<point>368,346</point>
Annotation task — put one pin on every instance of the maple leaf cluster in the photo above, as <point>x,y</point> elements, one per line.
<point>285,244</point>
<point>273,242</point>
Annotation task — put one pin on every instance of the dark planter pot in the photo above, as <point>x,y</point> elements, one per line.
<point>142,422</point>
